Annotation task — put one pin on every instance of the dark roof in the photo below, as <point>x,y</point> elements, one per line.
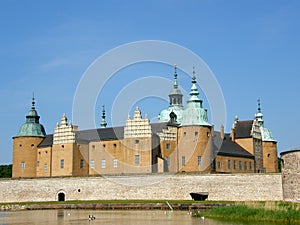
<point>48,140</point>
<point>103,134</point>
<point>229,148</point>
<point>243,129</point>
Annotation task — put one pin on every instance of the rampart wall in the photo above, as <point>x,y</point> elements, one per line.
<point>233,187</point>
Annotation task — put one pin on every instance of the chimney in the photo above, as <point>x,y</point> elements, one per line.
<point>222,132</point>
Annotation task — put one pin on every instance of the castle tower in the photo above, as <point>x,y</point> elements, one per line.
<point>175,102</point>
<point>269,145</point>
<point>194,145</point>
<point>25,144</point>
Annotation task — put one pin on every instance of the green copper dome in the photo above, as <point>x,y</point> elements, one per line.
<point>194,114</point>
<point>32,126</point>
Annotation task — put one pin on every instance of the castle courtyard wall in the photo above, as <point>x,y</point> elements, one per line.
<point>233,187</point>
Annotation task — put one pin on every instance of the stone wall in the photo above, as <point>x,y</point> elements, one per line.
<point>291,175</point>
<point>235,187</point>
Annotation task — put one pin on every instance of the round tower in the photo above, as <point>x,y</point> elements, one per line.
<point>25,144</point>
<point>195,141</point>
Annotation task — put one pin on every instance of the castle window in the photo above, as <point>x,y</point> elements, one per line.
<point>183,160</point>
<point>81,163</point>
<point>196,133</point>
<point>45,167</point>
<point>93,146</point>
<point>103,145</point>
<point>168,161</point>
<point>22,165</point>
<point>38,164</point>
<point>103,164</point>
<point>269,155</point>
<point>228,164</point>
<point>137,159</point>
<point>245,166</point>
<point>115,145</point>
<point>184,133</point>
<point>137,141</point>
<point>250,165</point>
<point>92,164</point>
<point>219,165</point>
<point>62,163</point>
<point>234,164</point>
<point>240,165</point>
<point>62,146</point>
<point>20,145</point>
<point>168,146</point>
<point>199,160</point>
<point>115,163</point>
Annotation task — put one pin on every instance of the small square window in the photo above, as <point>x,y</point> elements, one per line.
<point>168,146</point>
<point>219,165</point>
<point>137,141</point>
<point>184,133</point>
<point>81,163</point>
<point>196,133</point>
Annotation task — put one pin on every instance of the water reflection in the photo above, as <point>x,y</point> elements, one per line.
<point>67,217</point>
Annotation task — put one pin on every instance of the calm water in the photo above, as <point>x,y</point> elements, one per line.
<point>63,217</point>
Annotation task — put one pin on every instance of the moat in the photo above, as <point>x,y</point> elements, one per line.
<point>66,217</point>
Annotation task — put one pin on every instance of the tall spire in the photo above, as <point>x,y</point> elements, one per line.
<point>103,121</point>
<point>175,76</point>
<point>33,102</point>
<point>175,94</point>
<point>259,116</point>
<point>194,93</point>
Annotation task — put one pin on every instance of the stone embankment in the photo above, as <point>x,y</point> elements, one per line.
<point>113,206</point>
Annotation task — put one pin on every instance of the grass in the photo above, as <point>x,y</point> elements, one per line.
<point>281,212</point>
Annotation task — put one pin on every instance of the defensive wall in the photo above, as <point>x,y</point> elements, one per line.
<point>233,187</point>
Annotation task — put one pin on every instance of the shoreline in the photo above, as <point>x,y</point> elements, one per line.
<point>163,205</point>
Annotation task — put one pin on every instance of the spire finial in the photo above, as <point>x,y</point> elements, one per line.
<point>175,76</point>
<point>103,121</point>
<point>194,77</point>
<point>258,102</point>
<point>33,102</point>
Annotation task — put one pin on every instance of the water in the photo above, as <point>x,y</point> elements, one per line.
<point>67,217</point>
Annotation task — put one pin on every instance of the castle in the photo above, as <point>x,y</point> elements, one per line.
<point>182,141</point>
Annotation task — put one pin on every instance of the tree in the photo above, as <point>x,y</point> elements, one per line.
<point>5,171</point>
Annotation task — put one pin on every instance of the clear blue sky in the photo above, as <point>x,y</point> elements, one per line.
<point>252,47</point>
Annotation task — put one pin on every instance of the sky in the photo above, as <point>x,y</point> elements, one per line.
<point>252,47</point>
